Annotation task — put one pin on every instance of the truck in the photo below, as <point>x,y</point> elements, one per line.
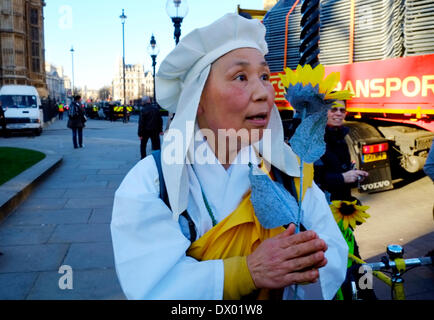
<point>384,52</point>
<point>22,107</point>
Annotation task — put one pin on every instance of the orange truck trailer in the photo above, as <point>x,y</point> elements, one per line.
<point>385,56</point>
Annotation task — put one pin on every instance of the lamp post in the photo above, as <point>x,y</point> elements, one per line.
<point>72,64</point>
<point>123,18</point>
<point>177,10</point>
<point>153,51</point>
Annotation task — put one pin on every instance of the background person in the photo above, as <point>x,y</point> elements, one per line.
<point>150,126</point>
<point>217,78</point>
<point>76,122</point>
<point>336,175</point>
<point>428,168</point>
<point>61,110</point>
<point>2,121</point>
<point>334,171</point>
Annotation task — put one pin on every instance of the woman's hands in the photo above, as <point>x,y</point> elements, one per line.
<point>287,259</point>
<point>354,175</point>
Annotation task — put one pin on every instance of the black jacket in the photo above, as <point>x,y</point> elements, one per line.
<point>78,119</point>
<point>150,120</point>
<point>335,161</point>
<point>2,116</point>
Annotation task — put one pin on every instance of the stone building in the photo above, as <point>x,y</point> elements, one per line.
<point>55,82</point>
<point>138,83</point>
<point>22,58</point>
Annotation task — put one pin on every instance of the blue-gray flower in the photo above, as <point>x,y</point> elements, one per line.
<point>307,97</point>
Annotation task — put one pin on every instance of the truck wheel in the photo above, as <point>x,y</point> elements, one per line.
<point>359,131</point>
<point>352,147</point>
<point>38,132</point>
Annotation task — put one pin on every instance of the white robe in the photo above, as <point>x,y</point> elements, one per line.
<point>150,249</point>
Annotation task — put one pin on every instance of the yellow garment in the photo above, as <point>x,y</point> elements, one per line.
<point>238,235</point>
<point>238,281</point>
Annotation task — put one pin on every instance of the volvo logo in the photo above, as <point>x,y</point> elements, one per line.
<point>375,185</point>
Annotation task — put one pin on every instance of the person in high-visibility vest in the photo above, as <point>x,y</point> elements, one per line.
<point>61,110</point>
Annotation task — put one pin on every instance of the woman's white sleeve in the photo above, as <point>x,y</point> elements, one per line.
<point>150,249</point>
<point>318,217</point>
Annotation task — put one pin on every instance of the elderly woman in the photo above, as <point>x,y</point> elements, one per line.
<point>205,241</point>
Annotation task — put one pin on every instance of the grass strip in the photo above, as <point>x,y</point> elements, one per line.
<point>13,161</point>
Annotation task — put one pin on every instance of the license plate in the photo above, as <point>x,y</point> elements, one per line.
<point>374,157</point>
<point>17,126</point>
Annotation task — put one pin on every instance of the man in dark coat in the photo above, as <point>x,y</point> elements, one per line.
<point>150,126</point>
<point>76,122</point>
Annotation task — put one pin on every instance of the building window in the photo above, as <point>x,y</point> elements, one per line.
<point>34,33</point>
<point>34,16</point>
<point>35,49</point>
<point>36,65</point>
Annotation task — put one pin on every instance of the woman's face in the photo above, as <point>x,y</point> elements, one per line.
<point>238,93</point>
<point>336,115</point>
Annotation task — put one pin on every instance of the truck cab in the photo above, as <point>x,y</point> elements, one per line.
<point>22,107</point>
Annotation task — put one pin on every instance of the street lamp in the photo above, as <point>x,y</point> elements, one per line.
<point>72,60</point>
<point>177,10</point>
<point>123,18</point>
<point>153,51</point>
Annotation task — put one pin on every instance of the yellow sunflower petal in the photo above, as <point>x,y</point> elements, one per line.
<point>336,104</point>
<point>318,73</point>
<point>284,80</point>
<point>299,69</point>
<point>336,203</point>
<point>345,221</point>
<point>365,215</point>
<point>305,75</point>
<point>334,210</point>
<point>329,84</point>
<point>337,218</point>
<point>352,221</point>
<point>340,95</point>
<point>359,218</point>
<point>285,77</point>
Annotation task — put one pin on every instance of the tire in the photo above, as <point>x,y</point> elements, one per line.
<point>351,143</point>
<point>359,130</point>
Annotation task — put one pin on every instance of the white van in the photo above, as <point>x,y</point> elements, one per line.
<point>22,108</point>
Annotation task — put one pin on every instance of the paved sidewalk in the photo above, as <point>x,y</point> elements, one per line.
<point>66,220</point>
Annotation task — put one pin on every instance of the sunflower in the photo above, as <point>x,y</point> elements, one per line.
<point>306,75</point>
<point>349,213</point>
<point>307,89</point>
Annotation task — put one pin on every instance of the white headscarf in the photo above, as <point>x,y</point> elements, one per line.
<point>179,84</point>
